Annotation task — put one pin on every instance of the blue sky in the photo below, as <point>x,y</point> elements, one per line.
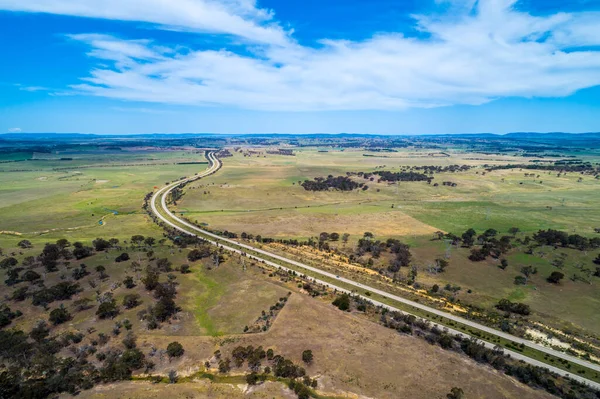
<point>246,66</point>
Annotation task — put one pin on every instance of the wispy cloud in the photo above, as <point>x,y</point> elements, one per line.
<point>32,88</point>
<point>241,18</point>
<point>143,110</point>
<point>480,51</point>
<point>15,130</point>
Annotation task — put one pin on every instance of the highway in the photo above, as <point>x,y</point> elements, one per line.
<point>215,164</point>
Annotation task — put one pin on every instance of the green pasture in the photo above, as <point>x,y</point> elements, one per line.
<point>53,199</point>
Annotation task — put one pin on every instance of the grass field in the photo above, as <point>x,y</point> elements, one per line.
<point>46,199</point>
<point>261,195</point>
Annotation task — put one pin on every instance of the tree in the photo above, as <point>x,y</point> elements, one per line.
<point>199,253</point>
<point>175,349</point>
<point>503,264</point>
<point>8,262</point>
<point>528,271</point>
<point>137,239</point>
<point>514,230</point>
<point>172,376</point>
<point>520,280</point>
<point>129,340</point>
<point>334,236</point>
<point>63,243</point>
<point>128,282</point>
<point>59,315</point>
<point>131,301</point>
<point>555,277</point>
<point>307,356</point>
<point>164,264</point>
<point>30,275</point>
<point>252,378</point>
<point>342,302</point>
<point>368,234</point>
<point>25,244</point>
<point>107,309</point>
<point>100,244</point>
<point>597,260</point>
<point>122,258</point>
<point>323,236</point>
<point>151,279</point>
<point>40,331</point>
<point>184,269</point>
<point>149,241</point>
<point>456,393</point>
<point>101,269</point>
<point>345,237</point>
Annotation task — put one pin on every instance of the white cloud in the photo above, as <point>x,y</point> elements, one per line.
<point>15,130</point>
<point>241,18</point>
<point>32,88</point>
<point>478,52</point>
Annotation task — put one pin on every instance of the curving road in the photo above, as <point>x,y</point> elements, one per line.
<point>215,165</point>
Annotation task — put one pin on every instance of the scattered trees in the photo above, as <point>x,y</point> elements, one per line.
<point>513,307</point>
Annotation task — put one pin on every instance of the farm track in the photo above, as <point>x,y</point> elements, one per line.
<point>162,212</point>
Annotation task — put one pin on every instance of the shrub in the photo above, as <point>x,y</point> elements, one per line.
<point>307,356</point>
<point>342,302</point>
<point>131,301</point>
<point>122,258</point>
<point>107,309</point>
<point>555,277</point>
<point>513,307</point>
<point>128,282</point>
<point>59,315</point>
<point>175,349</point>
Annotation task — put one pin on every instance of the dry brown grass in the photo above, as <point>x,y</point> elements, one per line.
<point>352,356</point>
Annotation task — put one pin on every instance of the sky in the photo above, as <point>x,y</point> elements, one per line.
<point>281,66</point>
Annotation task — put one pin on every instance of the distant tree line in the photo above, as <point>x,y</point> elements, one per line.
<point>341,183</point>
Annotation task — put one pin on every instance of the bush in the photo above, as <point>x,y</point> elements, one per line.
<point>520,280</point>
<point>131,301</point>
<point>184,269</point>
<point>199,253</point>
<point>513,307</point>
<point>128,282</point>
<point>30,275</point>
<point>122,258</point>
<point>307,356</point>
<point>107,309</point>
<point>555,277</point>
<point>25,244</point>
<point>342,302</point>
<point>59,315</point>
<point>175,349</point>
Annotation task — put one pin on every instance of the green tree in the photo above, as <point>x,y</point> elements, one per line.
<point>456,393</point>
<point>342,302</point>
<point>137,239</point>
<point>175,349</point>
<point>555,277</point>
<point>59,315</point>
<point>307,356</point>
<point>131,301</point>
<point>107,309</point>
